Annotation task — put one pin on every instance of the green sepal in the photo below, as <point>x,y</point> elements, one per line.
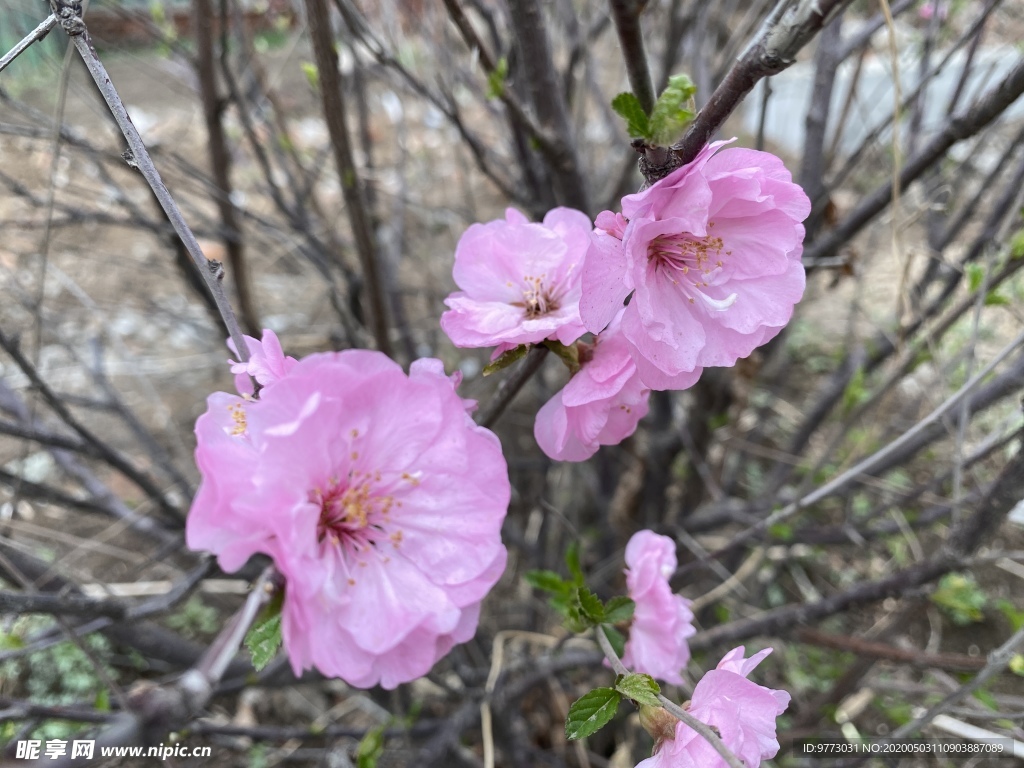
<point>570,355</point>
<point>505,359</point>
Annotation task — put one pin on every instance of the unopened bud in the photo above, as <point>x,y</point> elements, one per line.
<point>658,722</point>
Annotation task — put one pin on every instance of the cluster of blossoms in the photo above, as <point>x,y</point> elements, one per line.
<point>708,259</point>
<point>381,502</point>
<point>377,496</point>
<point>743,712</point>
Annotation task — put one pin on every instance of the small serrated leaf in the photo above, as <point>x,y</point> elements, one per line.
<point>590,605</point>
<point>616,638</point>
<point>627,106</point>
<point>640,688</point>
<point>591,712</point>
<point>548,581</point>
<point>263,640</point>
<point>619,610</point>
<point>505,359</point>
<point>672,111</point>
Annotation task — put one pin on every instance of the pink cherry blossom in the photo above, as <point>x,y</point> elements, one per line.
<point>377,497</point>
<point>519,281</point>
<point>267,362</point>
<point>711,254</point>
<point>742,711</point>
<point>601,405</point>
<point>928,10</point>
<point>662,620</point>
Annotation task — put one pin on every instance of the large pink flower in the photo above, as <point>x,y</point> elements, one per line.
<point>711,254</point>
<point>519,281</point>
<point>742,712</point>
<point>662,620</point>
<point>601,405</point>
<point>377,497</point>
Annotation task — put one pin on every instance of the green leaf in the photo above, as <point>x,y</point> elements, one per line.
<point>591,712</point>
<point>959,597</point>
<point>548,581</point>
<point>640,688</point>
<point>1014,616</point>
<point>370,748</point>
<point>619,610</point>
<point>10,642</point>
<point>102,701</point>
<point>263,640</point>
<point>572,560</point>
<point>1017,664</point>
<point>975,275</point>
<point>1017,245</point>
<point>312,75</point>
<point>672,112</point>
<point>575,621</point>
<point>505,359</point>
<point>570,355</point>
<point>994,299</point>
<point>496,79</point>
<point>616,638</point>
<point>987,699</point>
<point>627,106</point>
<point>590,605</point>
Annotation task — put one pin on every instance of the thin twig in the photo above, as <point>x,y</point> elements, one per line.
<point>626,14</point>
<point>773,51</point>
<point>510,387</point>
<point>874,460</point>
<point>108,454</point>
<point>34,36</point>
<point>141,157</point>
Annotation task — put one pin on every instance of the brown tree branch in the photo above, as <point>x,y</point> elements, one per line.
<point>331,85</point>
<point>220,163</point>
